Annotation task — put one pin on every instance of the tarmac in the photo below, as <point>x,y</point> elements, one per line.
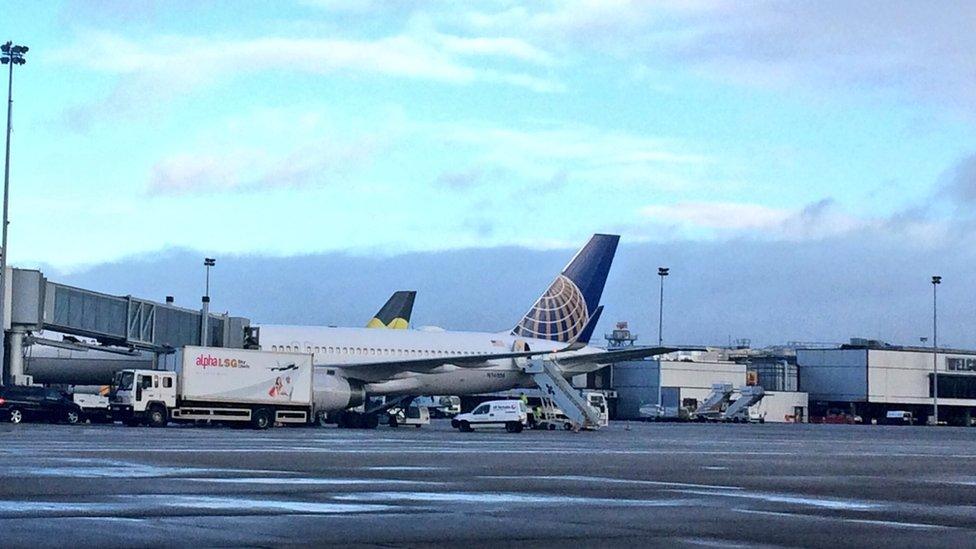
<point>630,484</point>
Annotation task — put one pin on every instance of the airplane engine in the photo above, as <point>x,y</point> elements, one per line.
<point>337,393</point>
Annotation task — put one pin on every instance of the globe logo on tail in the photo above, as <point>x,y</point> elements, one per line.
<point>559,315</point>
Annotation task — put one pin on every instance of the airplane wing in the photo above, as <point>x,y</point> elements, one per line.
<point>375,371</point>
<point>620,355</point>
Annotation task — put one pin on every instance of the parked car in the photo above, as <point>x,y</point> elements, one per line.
<point>510,414</point>
<point>37,403</point>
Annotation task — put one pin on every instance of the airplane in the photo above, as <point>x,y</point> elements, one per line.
<point>395,313</point>
<point>353,363</point>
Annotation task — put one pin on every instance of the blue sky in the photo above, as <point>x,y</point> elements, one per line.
<point>384,127</point>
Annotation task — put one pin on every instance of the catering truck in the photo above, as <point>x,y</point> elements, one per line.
<point>218,385</point>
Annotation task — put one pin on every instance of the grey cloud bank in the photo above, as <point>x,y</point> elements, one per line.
<point>772,292</point>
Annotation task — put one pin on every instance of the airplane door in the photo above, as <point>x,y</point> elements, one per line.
<point>520,346</point>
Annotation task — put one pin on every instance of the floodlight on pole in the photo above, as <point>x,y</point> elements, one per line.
<point>936,280</point>
<point>661,272</point>
<point>10,54</point>
<point>208,262</point>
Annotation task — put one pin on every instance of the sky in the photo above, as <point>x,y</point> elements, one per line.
<point>777,145</point>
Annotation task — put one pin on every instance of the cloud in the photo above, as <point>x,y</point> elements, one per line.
<point>918,227</point>
<point>719,215</point>
<point>461,180</point>
<point>914,49</point>
<point>560,154</point>
<point>158,69</point>
<point>960,182</point>
<point>266,149</point>
<point>243,169</point>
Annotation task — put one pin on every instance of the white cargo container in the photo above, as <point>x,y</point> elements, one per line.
<point>219,385</point>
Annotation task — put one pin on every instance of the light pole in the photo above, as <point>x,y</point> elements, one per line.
<point>936,280</point>
<point>208,262</point>
<point>205,310</point>
<point>661,272</point>
<point>10,54</point>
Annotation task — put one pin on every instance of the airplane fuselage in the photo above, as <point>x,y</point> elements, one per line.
<point>333,348</point>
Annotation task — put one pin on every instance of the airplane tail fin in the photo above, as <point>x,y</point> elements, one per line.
<point>564,311</point>
<point>395,313</point>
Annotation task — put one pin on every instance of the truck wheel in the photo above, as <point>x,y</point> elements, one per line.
<point>465,427</point>
<point>157,416</point>
<point>513,427</point>
<point>72,417</point>
<point>16,416</point>
<point>261,418</point>
<point>371,421</point>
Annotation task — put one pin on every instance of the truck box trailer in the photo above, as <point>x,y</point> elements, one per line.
<point>219,385</point>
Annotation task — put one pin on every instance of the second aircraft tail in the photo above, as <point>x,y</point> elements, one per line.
<point>396,312</point>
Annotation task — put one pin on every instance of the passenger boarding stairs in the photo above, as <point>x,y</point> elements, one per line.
<point>739,409</point>
<point>714,404</point>
<point>553,385</point>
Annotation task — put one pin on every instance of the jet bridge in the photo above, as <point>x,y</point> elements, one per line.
<point>119,324</point>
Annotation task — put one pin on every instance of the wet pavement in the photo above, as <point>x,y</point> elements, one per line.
<point>629,484</point>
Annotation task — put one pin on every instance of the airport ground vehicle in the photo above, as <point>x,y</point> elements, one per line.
<point>218,385</point>
<point>548,416</point>
<point>94,408</point>
<point>899,417</point>
<point>18,404</point>
<point>510,414</point>
<point>440,406</point>
<point>411,415</point>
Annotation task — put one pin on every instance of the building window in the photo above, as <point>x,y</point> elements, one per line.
<point>954,386</point>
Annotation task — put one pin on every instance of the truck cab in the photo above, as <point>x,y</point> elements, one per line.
<point>143,396</point>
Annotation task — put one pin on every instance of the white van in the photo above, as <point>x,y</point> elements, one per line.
<point>510,414</point>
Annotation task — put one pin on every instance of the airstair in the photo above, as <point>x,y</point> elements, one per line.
<point>715,403</point>
<point>555,386</point>
<point>738,410</point>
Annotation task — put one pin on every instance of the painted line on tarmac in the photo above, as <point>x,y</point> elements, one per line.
<point>611,480</point>
<point>834,504</point>
<point>876,522</point>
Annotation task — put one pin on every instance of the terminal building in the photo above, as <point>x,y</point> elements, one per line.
<point>682,380</point>
<point>870,378</point>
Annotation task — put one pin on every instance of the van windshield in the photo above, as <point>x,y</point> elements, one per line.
<point>125,381</point>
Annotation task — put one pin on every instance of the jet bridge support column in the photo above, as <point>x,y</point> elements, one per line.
<point>16,357</point>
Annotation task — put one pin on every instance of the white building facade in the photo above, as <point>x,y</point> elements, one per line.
<point>873,381</point>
